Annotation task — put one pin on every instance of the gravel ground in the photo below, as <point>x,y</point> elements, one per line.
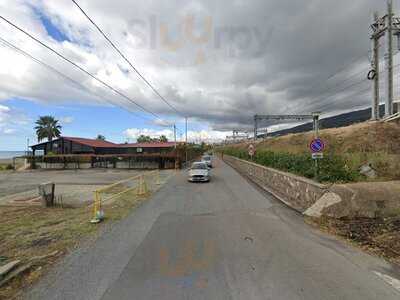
<point>74,186</point>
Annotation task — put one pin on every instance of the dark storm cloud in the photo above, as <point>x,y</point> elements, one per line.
<point>221,62</point>
<point>270,57</point>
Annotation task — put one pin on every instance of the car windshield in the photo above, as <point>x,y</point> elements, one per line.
<point>199,167</point>
<point>207,158</point>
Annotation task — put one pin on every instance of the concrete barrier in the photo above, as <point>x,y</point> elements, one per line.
<point>364,199</point>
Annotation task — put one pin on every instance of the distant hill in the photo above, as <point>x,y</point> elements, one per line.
<point>333,122</point>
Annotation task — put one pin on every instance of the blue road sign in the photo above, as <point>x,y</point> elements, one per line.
<point>317,145</point>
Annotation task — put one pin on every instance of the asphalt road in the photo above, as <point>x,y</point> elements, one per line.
<point>221,240</point>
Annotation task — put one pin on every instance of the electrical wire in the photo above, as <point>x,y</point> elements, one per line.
<point>126,59</point>
<point>340,70</point>
<point>363,81</point>
<point>342,90</point>
<point>60,74</point>
<point>79,67</point>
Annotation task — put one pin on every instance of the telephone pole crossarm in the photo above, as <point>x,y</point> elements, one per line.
<point>387,26</point>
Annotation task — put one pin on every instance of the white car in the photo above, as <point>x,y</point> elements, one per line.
<point>199,172</point>
<point>207,160</point>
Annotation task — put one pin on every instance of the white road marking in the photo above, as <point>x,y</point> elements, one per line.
<point>390,280</point>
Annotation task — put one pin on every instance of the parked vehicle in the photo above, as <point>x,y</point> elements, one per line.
<point>199,172</point>
<point>208,160</point>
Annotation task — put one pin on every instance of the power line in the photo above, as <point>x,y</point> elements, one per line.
<point>336,92</point>
<point>359,93</point>
<point>54,70</point>
<point>126,59</point>
<point>315,100</point>
<point>340,70</point>
<point>79,67</point>
<point>347,65</point>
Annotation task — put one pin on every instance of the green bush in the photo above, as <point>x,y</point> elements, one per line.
<point>332,168</point>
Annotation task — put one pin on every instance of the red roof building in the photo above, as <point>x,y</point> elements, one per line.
<point>75,145</point>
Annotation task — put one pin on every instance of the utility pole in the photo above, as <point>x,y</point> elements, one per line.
<point>255,127</point>
<point>176,152</point>
<point>375,69</point>
<point>315,116</point>
<point>186,141</point>
<point>175,135</point>
<point>27,146</point>
<point>389,60</point>
<point>386,26</point>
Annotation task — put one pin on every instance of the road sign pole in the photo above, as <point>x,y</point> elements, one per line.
<point>317,147</point>
<point>316,170</point>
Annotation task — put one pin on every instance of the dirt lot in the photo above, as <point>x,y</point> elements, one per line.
<point>39,237</point>
<point>73,187</point>
<point>379,237</point>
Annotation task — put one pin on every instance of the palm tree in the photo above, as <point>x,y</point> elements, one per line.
<point>47,127</point>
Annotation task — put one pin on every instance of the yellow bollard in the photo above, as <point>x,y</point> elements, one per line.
<point>158,180</point>
<point>142,190</point>
<point>98,214</point>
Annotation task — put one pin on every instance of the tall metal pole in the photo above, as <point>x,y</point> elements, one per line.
<point>389,60</point>
<point>186,141</point>
<point>175,134</point>
<point>316,136</point>
<point>255,127</point>
<point>186,129</point>
<point>316,124</point>
<point>375,66</point>
<point>176,152</point>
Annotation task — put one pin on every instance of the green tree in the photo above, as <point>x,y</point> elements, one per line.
<point>163,139</point>
<point>47,127</point>
<point>144,139</point>
<point>100,137</point>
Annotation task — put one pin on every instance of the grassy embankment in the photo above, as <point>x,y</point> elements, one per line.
<point>347,149</point>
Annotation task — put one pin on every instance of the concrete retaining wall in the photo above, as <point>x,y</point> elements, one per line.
<point>364,199</point>
<point>297,192</point>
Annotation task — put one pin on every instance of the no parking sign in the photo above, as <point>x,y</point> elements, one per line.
<point>317,145</point>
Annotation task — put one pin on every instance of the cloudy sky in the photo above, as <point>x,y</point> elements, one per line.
<point>218,62</point>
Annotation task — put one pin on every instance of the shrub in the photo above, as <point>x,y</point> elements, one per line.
<point>332,168</point>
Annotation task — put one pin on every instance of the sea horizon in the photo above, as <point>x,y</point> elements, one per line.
<point>11,154</point>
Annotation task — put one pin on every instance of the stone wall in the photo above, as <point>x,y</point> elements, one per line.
<point>362,199</point>
<point>297,192</point>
